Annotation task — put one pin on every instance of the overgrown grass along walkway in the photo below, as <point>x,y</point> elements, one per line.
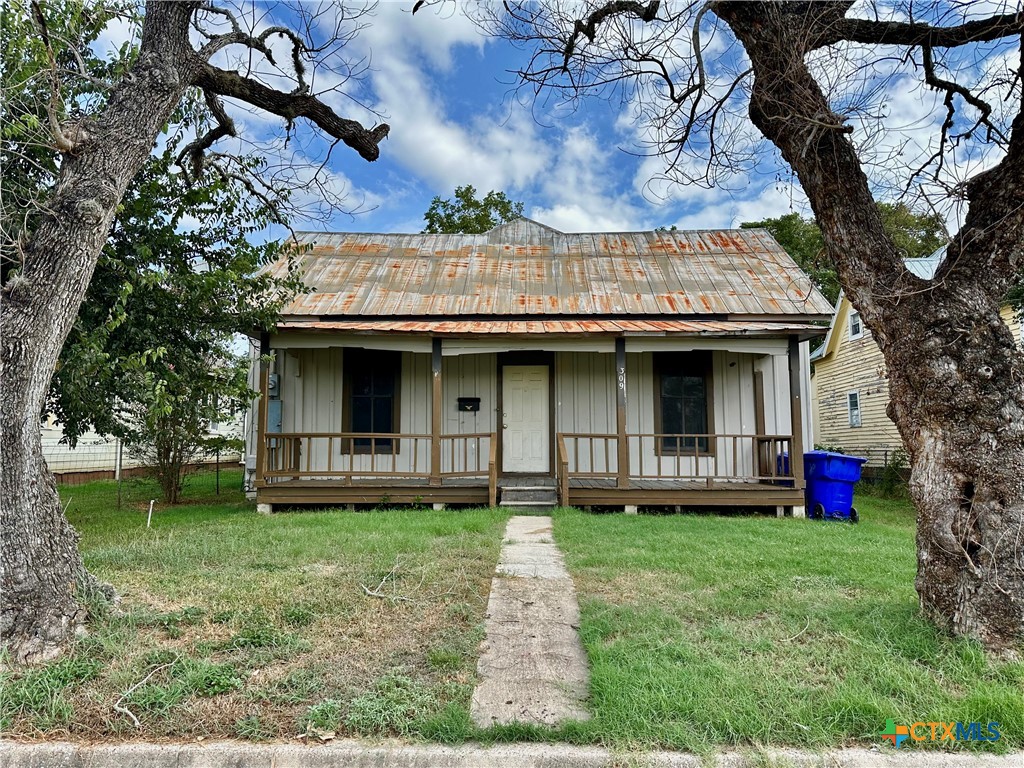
<point>705,631</point>
<point>259,627</point>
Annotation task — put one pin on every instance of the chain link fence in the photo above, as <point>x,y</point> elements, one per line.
<point>107,458</point>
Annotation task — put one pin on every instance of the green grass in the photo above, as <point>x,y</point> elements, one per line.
<point>706,631</point>
<point>244,624</point>
<point>702,631</point>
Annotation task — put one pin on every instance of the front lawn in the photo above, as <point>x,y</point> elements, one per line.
<point>707,631</point>
<point>236,624</point>
<point>703,631</point>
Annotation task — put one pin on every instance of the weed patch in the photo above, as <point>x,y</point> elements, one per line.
<point>394,705</point>
<point>40,695</point>
<point>324,716</point>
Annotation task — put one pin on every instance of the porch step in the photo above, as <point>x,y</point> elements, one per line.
<point>529,495</point>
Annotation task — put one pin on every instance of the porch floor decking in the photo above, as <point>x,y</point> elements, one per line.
<point>380,482</point>
<point>670,484</point>
<point>583,491</point>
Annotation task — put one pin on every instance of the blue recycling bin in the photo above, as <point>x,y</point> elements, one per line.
<point>830,479</point>
<point>782,468</point>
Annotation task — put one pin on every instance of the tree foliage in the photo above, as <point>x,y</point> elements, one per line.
<point>29,165</point>
<point>467,213</point>
<point>174,421</point>
<point>178,276</point>
<point>151,357</point>
<point>915,234</point>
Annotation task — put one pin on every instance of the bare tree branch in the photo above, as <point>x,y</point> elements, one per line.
<point>62,142</point>
<point>225,127</point>
<point>920,34</point>
<point>588,28</point>
<point>291,106</point>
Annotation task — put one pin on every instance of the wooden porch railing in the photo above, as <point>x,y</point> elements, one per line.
<point>708,458</point>
<point>346,455</point>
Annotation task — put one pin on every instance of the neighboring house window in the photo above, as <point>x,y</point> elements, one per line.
<point>856,329</point>
<point>853,403</point>
<point>214,405</point>
<point>682,402</point>
<point>371,397</point>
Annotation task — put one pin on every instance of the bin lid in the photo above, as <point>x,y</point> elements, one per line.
<point>821,455</point>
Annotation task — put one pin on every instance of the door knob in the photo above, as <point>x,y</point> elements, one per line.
<point>504,426</point>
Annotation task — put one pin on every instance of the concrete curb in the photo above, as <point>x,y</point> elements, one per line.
<point>354,754</point>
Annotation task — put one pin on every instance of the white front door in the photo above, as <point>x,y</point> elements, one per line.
<point>526,431</point>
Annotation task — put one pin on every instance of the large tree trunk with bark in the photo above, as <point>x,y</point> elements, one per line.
<point>41,570</point>
<point>956,379</point>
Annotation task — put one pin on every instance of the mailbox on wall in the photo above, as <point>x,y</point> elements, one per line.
<point>469,404</point>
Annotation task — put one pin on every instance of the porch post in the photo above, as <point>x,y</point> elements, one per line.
<point>796,446</point>
<point>259,479</point>
<point>435,417</point>
<point>620,413</point>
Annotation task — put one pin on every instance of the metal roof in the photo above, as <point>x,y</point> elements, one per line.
<point>525,268</point>
<point>926,266</point>
<point>583,326</point>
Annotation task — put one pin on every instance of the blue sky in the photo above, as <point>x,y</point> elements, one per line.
<point>447,92</point>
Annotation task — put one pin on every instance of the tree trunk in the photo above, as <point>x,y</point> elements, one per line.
<point>955,375</point>
<point>41,574</point>
<point>955,394</point>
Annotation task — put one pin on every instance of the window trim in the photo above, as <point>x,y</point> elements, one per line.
<point>849,409</point>
<point>350,359</point>
<point>701,361</point>
<point>860,325</point>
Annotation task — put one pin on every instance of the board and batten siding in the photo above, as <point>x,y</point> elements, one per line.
<point>857,365</point>
<point>312,387</point>
<point>585,391</point>
<point>467,376</point>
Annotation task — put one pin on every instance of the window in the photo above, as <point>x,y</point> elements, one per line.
<point>856,329</point>
<point>682,402</point>
<point>853,404</point>
<point>371,398</point>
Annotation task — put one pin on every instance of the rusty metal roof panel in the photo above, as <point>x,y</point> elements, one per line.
<point>525,268</point>
<point>573,327</point>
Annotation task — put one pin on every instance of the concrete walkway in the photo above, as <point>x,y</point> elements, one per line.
<point>532,665</point>
<point>354,754</point>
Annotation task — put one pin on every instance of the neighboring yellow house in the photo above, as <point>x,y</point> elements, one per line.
<point>850,386</point>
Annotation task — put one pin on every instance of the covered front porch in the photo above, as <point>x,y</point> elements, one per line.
<point>292,476</point>
<point>467,419</point>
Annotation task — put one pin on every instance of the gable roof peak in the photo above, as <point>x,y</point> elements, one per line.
<point>518,228</point>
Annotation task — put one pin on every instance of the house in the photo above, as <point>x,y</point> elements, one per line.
<point>527,366</point>
<point>850,386</point>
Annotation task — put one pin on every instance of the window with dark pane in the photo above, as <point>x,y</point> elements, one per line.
<point>683,382</point>
<point>371,381</point>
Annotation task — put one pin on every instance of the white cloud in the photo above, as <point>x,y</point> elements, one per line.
<point>582,189</point>
<point>410,55</point>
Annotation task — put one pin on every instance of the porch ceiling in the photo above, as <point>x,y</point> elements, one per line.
<point>579,327</point>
